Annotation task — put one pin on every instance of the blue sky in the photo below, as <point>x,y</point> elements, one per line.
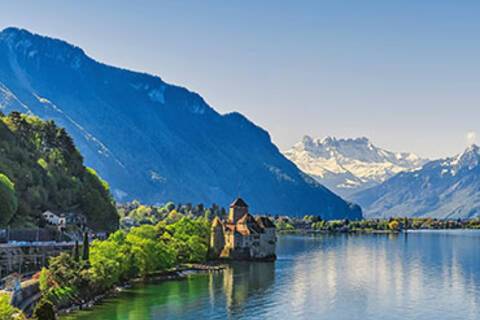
<point>406,74</point>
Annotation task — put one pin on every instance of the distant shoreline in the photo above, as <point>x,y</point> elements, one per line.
<point>361,232</point>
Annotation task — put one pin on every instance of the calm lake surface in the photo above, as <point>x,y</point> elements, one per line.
<point>421,275</point>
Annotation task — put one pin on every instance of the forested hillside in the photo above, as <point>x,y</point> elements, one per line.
<point>40,169</point>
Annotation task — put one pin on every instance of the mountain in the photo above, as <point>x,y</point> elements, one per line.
<point>151,140</point>
<point>44,171</point>
<point>347,166</point>
<point>447,188</point>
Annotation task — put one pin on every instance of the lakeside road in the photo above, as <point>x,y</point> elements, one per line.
<point>23,244</point>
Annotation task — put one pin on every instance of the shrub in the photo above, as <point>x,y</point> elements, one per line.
<point>7,311</point>
<point>8,199</point>
<point>44,310</point>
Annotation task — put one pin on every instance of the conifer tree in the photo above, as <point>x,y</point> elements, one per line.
<point>76,252</point>
<point>86,252</point>
<point>44,311</point>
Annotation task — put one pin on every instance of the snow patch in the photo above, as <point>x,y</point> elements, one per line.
<point>198,109</point>
<point>102,148</point>
<point>119,194</point>
<point>155,176</point>
<point>279,174</point>
<point>157,95</point>
<point>8,99</point>
<point>349,163</point>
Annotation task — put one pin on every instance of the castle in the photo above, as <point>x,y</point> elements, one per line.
<point>241,236</point>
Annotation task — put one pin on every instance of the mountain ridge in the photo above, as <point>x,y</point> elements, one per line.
<point>348,165</point>
<point>134,127</point>
<point>444,188</point>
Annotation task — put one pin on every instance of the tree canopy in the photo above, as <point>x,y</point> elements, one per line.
<point>47,173</point>
<point>8,199</point>
<point>137,252</point>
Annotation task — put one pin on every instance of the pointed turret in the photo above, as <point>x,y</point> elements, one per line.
<point>238,209</point>
<point>217,238</point>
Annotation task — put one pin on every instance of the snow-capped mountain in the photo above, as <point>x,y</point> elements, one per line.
<point>446,188</point>
<point>347,166</point>
<point>151,140</point>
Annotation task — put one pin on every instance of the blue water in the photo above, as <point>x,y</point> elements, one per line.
<point>423,275</point>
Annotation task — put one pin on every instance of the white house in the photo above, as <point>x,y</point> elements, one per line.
<point>51,218</point>
<point>70,218</point>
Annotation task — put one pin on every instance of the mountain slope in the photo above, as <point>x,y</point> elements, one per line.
<point>349,165</point>
<point>447,188</point>
<point>151,140</point>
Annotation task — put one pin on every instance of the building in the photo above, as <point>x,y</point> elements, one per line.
<point>128,222</point>
<point>242,236</point>
<point>72,219</point>
<point>64,219</point>
<point>51,218</point>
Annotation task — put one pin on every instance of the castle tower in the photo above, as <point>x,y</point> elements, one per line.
<point>217,238</point>
<point>237,210</point>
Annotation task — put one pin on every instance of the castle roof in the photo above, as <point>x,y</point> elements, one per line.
<point>265,222</point>
<point>247,225</point>
<point>217,222</point>
<point>239,203</point>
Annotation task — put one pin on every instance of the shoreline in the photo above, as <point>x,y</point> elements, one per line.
<point>360,232</point>
<point>178,273</point>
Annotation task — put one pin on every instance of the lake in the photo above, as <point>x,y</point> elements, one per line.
<point>418,275</point>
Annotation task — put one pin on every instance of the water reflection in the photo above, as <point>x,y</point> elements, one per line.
<point>414,276</point>
<point>424,275</point>
<point>243,282</point>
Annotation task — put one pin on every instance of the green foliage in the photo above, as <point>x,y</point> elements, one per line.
<point>66,280</point>
<point>394,225</point>
<point>110,261</point>
<point>284,225</point>
<point>8,200</point>
<point>135,214</point>
<point>125,255</point>
<point>311,219</point>
<point>44,310</point>
<point>7,311</point>
<point>45,280</point>
<point>187,239</point>
<point>48,173</point>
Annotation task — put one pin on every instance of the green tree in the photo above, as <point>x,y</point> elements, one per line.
<point>48,173</point>
<point>7,311</point>
<point>44,310</point>
<point>76,252</point>
<point>86,251</point>
<point>393,225</point>
<point>8,200</point>
<point>110,261</point>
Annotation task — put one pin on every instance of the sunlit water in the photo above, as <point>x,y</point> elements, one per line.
<point>424,275</point>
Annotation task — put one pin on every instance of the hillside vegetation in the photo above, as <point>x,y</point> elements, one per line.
<point>40,169</point>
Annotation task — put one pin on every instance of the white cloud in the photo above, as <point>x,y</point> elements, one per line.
<point>471,137</point>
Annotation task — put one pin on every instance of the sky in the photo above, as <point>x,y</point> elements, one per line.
<point>405,74</point>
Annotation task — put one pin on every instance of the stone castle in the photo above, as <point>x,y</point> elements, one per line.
<point>241,236</point>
